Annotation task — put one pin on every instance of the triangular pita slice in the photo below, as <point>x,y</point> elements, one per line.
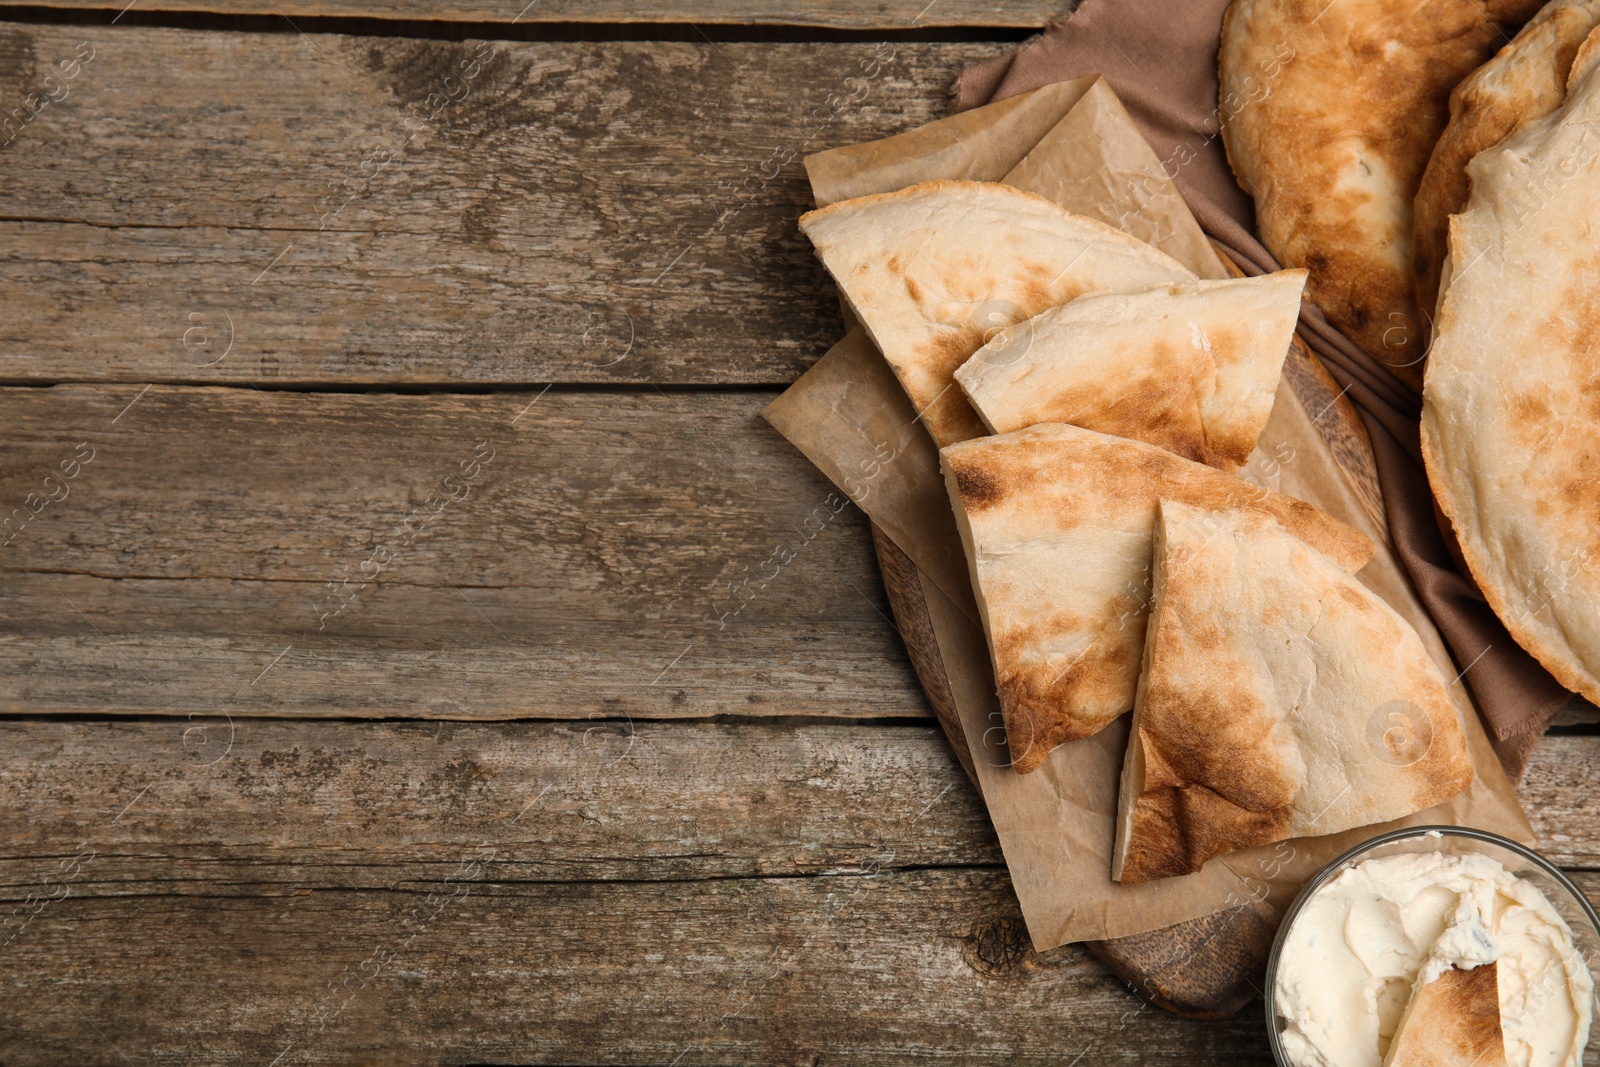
<point>1190,367</point>
<point>1279,698</point>
<point>1452,1021</point>
<point>933,270</point>
<point>1058,524</point>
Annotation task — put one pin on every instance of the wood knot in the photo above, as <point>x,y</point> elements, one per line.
<point>997,947</point>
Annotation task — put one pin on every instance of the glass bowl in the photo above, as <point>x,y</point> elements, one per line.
<point>1523,862</point>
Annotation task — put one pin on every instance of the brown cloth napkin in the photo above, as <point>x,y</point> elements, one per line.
<point>1161,58</point>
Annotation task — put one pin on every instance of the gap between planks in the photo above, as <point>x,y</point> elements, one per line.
<point>256,17</point>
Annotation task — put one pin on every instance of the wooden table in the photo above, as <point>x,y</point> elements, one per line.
<point>395,657</point>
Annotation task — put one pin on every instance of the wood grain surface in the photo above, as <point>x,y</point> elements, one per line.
<point>825,14</point>
<point>1336,418</point>
<point>276,803</point>
<point>229,208</point>
<point>350,265</point>
<point>557,554</point>
<point>272,806</point>
<point>723,893</point>
<point>908,967</point>
<point>902,584</point>
<point>1577,712</point>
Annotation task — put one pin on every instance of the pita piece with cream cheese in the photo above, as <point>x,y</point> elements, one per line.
<point>1279,698</point>
<point>933,270</point>
<point>1190,367</point>
<point>1452,1021</point>
<point>1058,522</point>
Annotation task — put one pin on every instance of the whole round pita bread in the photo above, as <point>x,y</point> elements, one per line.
<point>1511,408</point>
<point>1527,79</point>
<point>1330,110</point>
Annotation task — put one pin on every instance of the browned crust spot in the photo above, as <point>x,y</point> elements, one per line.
<point>1178,829</point>
<point>979,489</point>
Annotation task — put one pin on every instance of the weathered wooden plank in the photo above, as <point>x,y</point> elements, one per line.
<point>827,14</point>
<point>903,967</point>
<point>1577,712</point>
<point>215,805</point>
<point>219,207</point>
<point>526,892</point>
<point>344,890</point>
<point>543,555</point>
<point>257,807</point>
<point>1558,795</point>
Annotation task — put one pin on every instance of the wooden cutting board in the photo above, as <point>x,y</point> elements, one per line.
<point>1203,968</point>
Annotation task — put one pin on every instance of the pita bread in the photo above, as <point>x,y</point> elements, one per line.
<point>1453,1021</point>
<point>1527,79</point>
<point>1329,113</point>
<point>1279,698</point>
<point>1057,523</point>
<point>1191,367</point>
<point>1511,411</point>
<point>931,271</point>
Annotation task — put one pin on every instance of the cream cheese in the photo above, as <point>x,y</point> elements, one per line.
<point>1366,938</point>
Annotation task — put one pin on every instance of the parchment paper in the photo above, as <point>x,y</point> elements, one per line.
<point>1074,143</point>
